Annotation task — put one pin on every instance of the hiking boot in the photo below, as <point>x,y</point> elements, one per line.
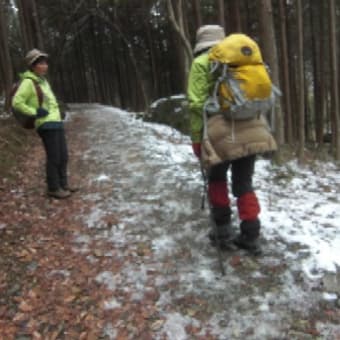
<point>221,215</point>
<point>59,194</point>
<point>250,244</point>
<point>70,188</point>
<point>224,235</point>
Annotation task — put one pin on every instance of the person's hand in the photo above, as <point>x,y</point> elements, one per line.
<point>41,112</point>
<point>196,147</point>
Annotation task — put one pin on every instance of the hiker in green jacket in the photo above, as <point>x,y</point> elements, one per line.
<point>48,121</point>
<point>239,141</point>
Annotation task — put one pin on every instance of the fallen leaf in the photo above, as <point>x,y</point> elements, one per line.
<point>70,298</point>
<point>25,307</point>
<point>19,317</point>
<point>156,325</point>
<point>235,261</point>
<point>37,335</point>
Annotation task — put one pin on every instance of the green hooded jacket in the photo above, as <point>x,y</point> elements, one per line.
<point>200,85</point>
<point>26,101</point>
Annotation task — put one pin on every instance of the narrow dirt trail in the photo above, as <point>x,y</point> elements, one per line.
<point>128,256</point>
<point>152,185</point>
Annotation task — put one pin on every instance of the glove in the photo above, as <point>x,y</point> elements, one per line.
<point>41,112</point>
<point>196,147</point>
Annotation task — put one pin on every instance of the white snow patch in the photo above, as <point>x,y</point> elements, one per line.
<point>163,245</point>
<point>330,296</point>
<point>174,326</point>
<point>107,278</point>
<point>112,304</point>
<point>94,219</point>
<point>102,178</point>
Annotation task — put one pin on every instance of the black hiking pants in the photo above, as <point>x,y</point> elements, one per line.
<point>56,158</point>
<point>242,171</point>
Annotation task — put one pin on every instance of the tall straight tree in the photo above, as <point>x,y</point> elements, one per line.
<point>320,61</point>
<point>335,121</point>
<point>268,44</point>
<point>6,73</point>
<point>285,74</point>
<point>221,19</point>
<point>30,24</point>
<point>301,82</point>
<point>197,11</point>
<point>175,11</point>
<point>234,16</point>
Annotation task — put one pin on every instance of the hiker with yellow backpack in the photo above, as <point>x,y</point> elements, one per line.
<point>35,106</point>
<point>229,91</point>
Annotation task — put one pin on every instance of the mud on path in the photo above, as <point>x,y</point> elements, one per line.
<point>128,257</point>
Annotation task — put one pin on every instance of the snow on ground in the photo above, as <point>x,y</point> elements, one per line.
<point>156,188</point>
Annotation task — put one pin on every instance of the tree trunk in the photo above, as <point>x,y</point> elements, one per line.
<point>301,113</point>
<point>320,97</point>
<point>334,80</point>
<point>285,75</point>
<point>197,11</point>
<point>221,19</point>
<point>270,56</point>
<point>6,74</point>
<point>37,28</point>
<point>29,24</point>
<point>235,16</point>
<point>179,29</point>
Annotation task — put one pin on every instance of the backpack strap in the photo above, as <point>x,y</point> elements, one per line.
<point>211,105</point>
<point>38,90</point>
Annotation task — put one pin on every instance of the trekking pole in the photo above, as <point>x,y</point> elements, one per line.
<point>212,221</point>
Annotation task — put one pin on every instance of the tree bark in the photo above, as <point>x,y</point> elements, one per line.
<point>269,51</point>
<point>221,19</point>
<point>29,24</point>
<point>176,23</point>
<point>197,11</point>
<point>285,75</point>
<point>319,70</point>
<point>6,73</point>
<point>334,80</point>
<point>301,113</point>
<point>235,16</point>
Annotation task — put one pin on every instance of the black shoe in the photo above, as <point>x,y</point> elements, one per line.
<point>59,194</point>
<point>224,236</point>
<point>251,245</point>
<point>221,215</point>
<point>71,188</point>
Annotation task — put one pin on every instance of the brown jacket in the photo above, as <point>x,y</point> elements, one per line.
<point>231,139</point>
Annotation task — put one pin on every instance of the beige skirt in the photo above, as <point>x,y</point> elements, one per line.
<point>233,139</point>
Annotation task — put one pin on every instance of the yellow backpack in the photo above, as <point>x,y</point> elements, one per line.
<point>243,89</point>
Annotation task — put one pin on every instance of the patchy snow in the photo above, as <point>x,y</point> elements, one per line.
<point>174,326</point>
<point>112,304</point>
<point>162,100</point>
<point>156,189</point>
<point>330,297</point>
<point>102,178</point>
<point>108,279</point>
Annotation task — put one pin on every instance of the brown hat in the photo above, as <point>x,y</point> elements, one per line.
<point>208,36</point>
<point>33,55</point>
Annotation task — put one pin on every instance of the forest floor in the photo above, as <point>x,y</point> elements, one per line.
<point>127,257</point>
